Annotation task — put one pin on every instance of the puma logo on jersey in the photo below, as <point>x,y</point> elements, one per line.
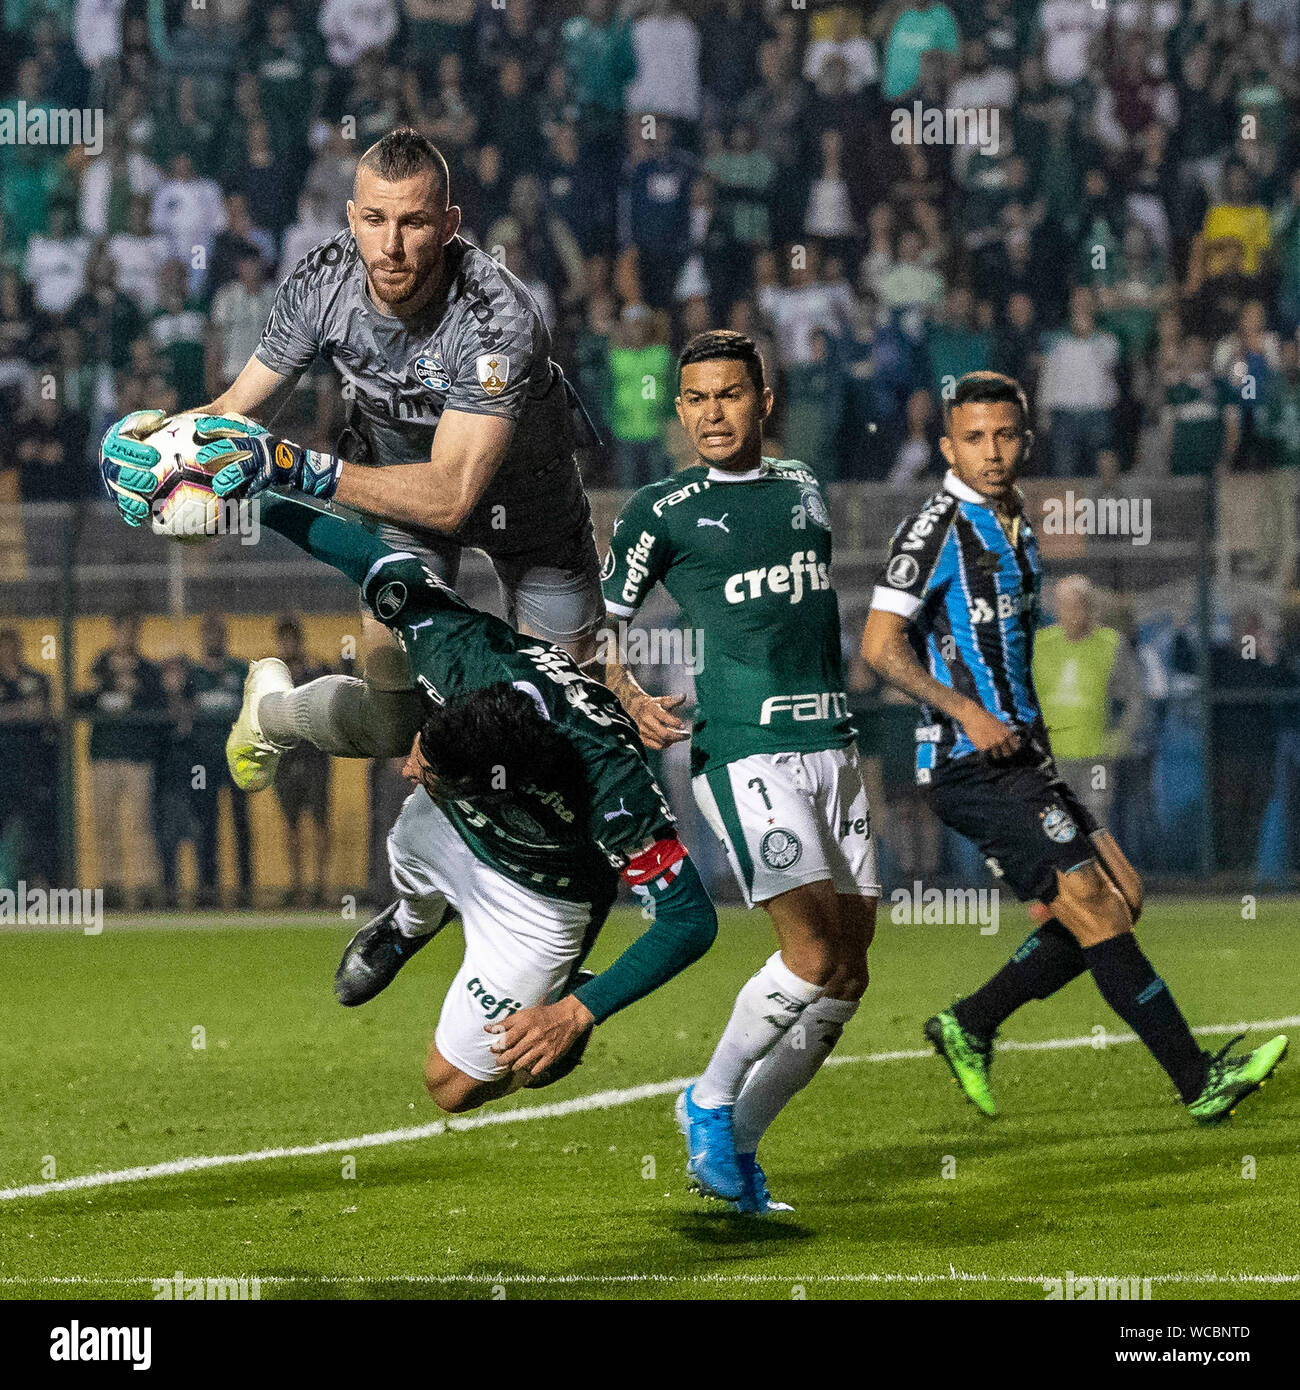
<point>622,810</point>
<point>720,523</point>
<point>780,579</point>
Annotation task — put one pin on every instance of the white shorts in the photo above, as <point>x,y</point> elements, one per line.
<point>520,947</point>
<point>786,819</point>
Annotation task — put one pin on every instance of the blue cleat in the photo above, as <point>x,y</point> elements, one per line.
<point>756,1200</point>
<point>710,1148</point>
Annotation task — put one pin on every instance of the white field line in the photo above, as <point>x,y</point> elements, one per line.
<point>956,1276</point>
<point>598,1100</point>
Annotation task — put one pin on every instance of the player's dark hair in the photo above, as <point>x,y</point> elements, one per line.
<point>979,387</point>
<point>403,153</point>
<point>728,345</point>
<point>486,746</point>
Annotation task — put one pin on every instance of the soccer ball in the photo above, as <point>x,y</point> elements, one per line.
<point>184,506</point>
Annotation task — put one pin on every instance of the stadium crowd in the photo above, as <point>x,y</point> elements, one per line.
<point>1120,228</point>
<point>1123,234</point>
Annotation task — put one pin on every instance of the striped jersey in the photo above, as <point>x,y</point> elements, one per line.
<point>970,587</point>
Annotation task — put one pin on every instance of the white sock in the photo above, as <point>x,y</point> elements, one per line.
<point>416,917</point>
<point>788,1068</point>
<point>767,1005</point>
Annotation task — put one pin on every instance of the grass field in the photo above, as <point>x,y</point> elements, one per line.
<point>1093,1167</point>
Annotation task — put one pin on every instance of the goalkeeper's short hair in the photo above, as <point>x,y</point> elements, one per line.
<point>403,153</point>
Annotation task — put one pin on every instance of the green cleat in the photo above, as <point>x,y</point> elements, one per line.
<point>1232,1079</point>
<point>968,1058</point>
<point>250,755</point>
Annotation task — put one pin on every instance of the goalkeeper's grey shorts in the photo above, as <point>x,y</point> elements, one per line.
<point>553,591</point>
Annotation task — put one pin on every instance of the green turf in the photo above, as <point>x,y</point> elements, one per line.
<point>1092,1168</point>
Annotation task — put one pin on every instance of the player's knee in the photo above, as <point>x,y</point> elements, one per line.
<point>449,1088</point>
<point>1090,907</point>
<point>812,959</point>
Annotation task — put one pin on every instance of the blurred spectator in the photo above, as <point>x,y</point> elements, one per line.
<point>1077,390</point>
<point>126,703</point>
<point>138,255</point>
<point>842,37</point>
<point>55,266</point>
<point>28,769</point>
<point>923,27</point>
<point>352,28</point>
<point>105,318</point>
<point>217,683</point>
<point>240,237</point>
<point>654,212</point>
<point>49,445</point>
<point>641,396</point>
<point>1016,343</point>
<point>175,770</point>
<point>1201,420</point>
<point>1070,32</point>
<point>958,342</point>
<point>178,331</point>
<point>302,784</point>
<point>814,404</point>
<point>600,62</point>
<point>731,32</point>
<point>112,183</point>
<point>1239,217</point>
<point>806,303</point>
<point>903,279</point>
<point>239,314</point>
<point>188,212</point>
<point>666,43</point>
<point>917,450</point>
<point>1090,688</point>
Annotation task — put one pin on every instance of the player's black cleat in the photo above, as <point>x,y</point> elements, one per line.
<point>563,1065</point>
<point>373,957</point>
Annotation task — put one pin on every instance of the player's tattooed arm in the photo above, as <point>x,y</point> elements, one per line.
<point>658,726</point>
<point>886,649</point>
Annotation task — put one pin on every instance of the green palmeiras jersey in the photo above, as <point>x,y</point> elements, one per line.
<point>747,558</point>
<point>570,853</point>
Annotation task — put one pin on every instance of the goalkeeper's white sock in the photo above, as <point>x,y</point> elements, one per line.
<point>770,1003</point>
<point>342,715</point>
<point>788,1068</point>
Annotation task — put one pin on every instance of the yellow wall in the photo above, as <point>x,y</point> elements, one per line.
<point>249,638</point>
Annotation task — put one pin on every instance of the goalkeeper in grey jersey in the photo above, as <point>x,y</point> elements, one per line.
<point>462,430</point>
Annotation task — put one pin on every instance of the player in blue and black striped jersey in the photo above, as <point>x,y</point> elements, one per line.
<point>952,624</point>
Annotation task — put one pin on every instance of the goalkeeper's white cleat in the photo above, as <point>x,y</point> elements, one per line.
<point>251,757</point>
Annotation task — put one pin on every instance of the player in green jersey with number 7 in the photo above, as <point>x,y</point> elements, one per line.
<point>743,544</point>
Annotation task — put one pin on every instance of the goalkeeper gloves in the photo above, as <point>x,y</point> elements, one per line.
<point>126,464</point>
<point>244,462</point>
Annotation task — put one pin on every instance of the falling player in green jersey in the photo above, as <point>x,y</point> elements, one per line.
<point>533,798</point>
<point>743,544</point>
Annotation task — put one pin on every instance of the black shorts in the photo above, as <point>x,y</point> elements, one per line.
<point>1026,822</point>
